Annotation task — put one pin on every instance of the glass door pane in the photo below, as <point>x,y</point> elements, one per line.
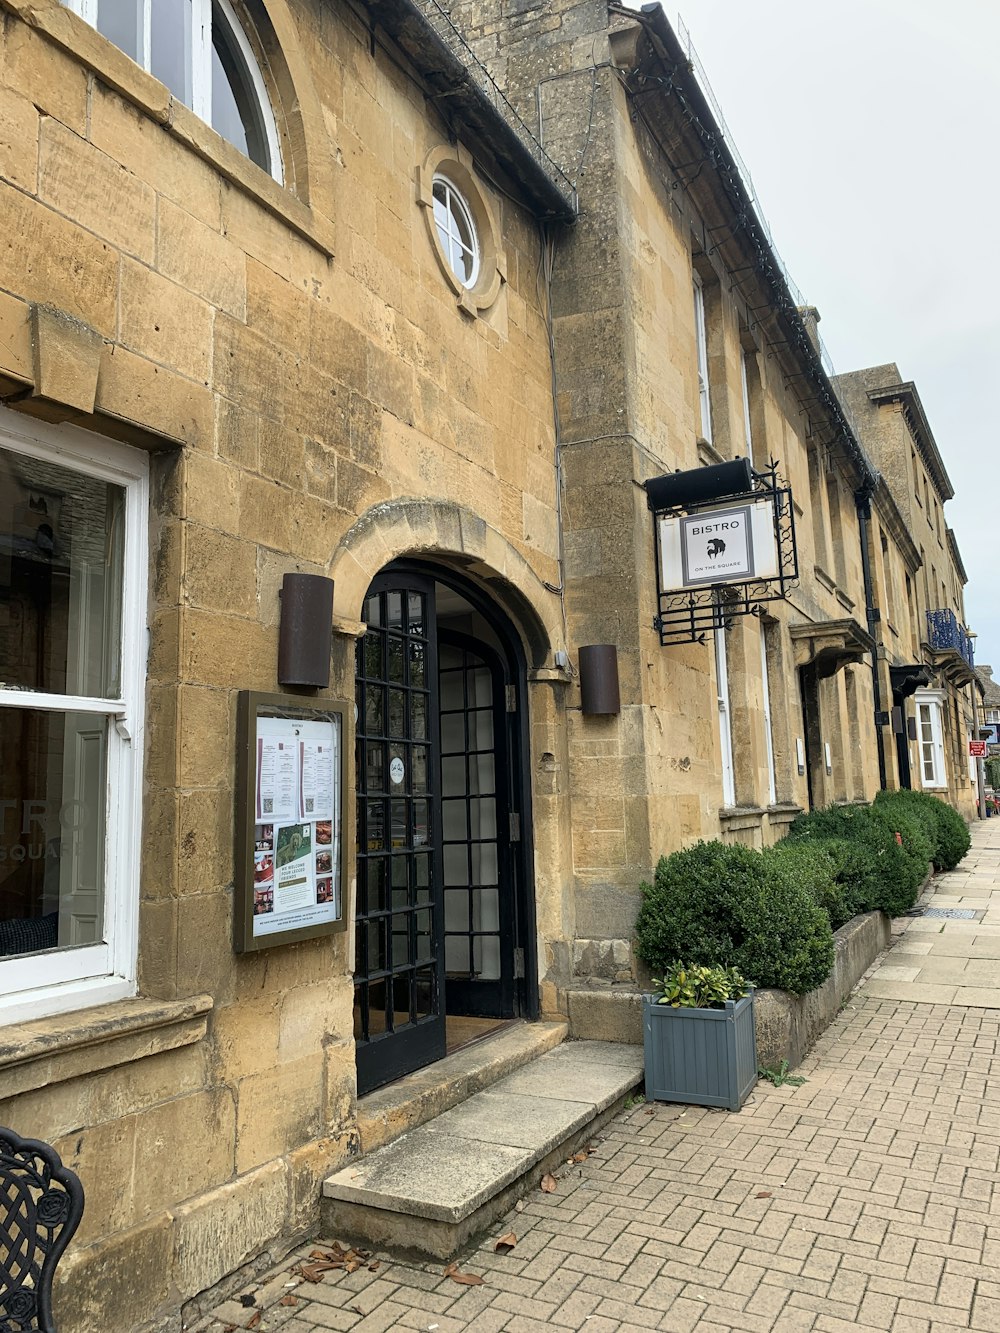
<point>399,997</point>
<point>479,877</point>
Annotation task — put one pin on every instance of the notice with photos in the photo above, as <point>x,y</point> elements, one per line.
<point>297,832</point>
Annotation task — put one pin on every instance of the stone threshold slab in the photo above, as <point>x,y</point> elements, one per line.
<point>433,1188</point>
<point>388,1112</point>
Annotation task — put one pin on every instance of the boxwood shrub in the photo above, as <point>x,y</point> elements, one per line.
<point>885,859</point>
<point>946,829</point>
<point>724,904</point>
<point>816,864</point>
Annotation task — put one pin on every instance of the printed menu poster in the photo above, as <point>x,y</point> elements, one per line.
<point>297,832</point>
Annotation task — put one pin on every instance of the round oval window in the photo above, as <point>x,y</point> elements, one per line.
<point>456,231</point>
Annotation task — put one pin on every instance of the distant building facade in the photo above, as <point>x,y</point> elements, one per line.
<point>926,652</point>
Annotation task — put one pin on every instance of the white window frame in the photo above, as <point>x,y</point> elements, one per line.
<point>933,701</point>
<point>201,63</point>
<point>772,777</point>
<point>725,719</point>
<point>745,387</point>
<point>447,233</point>
<point>37,985</point>
<point>701,339</point>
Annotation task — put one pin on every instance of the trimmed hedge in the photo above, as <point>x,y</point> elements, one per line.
<point>723,904</point>
<point>884,861</point>
<point>816,864</point>
<point>772,914</point>
<point>946,829</point>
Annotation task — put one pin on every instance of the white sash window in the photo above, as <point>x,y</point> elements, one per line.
<point>73,571</point>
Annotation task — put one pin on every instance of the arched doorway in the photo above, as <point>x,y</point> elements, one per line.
<point>445,909</point>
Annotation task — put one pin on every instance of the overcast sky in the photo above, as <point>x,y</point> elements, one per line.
<point>872,132</point>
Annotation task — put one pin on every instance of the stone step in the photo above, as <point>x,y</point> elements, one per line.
<point>411,1101</point>
<point>433,1188</point>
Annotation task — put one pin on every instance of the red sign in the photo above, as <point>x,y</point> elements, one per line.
<point>977,749</point>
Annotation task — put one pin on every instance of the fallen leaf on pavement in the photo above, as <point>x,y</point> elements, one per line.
<point>314,1272</point>
<point>549,1183</point>
<point>505,1244</point>
<point>289,1300</point>
<point>255,1321</point>
<point>764,1194</point>
<point>463,1279</point>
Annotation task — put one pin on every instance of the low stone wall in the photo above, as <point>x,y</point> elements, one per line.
<point>787,1025</point>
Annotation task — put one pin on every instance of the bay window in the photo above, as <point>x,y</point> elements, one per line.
<point>930,739</point>
<point>72,621</point>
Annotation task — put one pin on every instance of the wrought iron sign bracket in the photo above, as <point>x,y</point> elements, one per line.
<point>691,614</point>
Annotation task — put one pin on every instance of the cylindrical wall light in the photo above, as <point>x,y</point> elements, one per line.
<point>599,679</point>
<point>306,627</point>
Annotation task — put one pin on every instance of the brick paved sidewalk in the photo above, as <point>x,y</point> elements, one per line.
<point>864,1198</point>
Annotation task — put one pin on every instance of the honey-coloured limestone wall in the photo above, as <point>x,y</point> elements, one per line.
<point>313,397</point>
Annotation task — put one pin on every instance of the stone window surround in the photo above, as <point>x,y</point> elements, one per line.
<point>200,52</point>
<point>455,164</point>
<point>120,73</point>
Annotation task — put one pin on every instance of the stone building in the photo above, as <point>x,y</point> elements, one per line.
<point>315,299</point>
<point>926,654</point>
<point>990,716</point>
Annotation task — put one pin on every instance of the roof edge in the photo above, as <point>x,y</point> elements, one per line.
<point>653,18</point>
<point>905,392</point>
<point>475,106</point>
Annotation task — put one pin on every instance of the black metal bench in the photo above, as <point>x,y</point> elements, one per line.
<point>41,1204</point>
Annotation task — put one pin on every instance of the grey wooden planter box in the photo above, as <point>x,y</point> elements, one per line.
<point>705,1057</point>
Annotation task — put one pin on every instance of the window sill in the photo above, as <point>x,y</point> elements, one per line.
<point>741,816</point>
<point>783,812</point>
<point>115,69</point>
<point>52,1050</point>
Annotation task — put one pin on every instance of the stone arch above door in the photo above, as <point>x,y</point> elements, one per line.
<point>454,535</point>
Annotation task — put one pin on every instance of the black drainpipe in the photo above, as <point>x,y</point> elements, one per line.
<point>863,499</point>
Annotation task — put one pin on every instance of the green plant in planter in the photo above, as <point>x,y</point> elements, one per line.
<point>697,986</point>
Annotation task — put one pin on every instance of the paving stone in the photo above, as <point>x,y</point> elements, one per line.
<point>880,1176</point>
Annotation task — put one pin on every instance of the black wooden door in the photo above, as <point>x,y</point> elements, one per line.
<point>399,957</point>
<point>479,871</point>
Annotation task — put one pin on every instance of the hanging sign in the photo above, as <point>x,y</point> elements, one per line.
<point>731,544</point>
<point>291,790</point>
